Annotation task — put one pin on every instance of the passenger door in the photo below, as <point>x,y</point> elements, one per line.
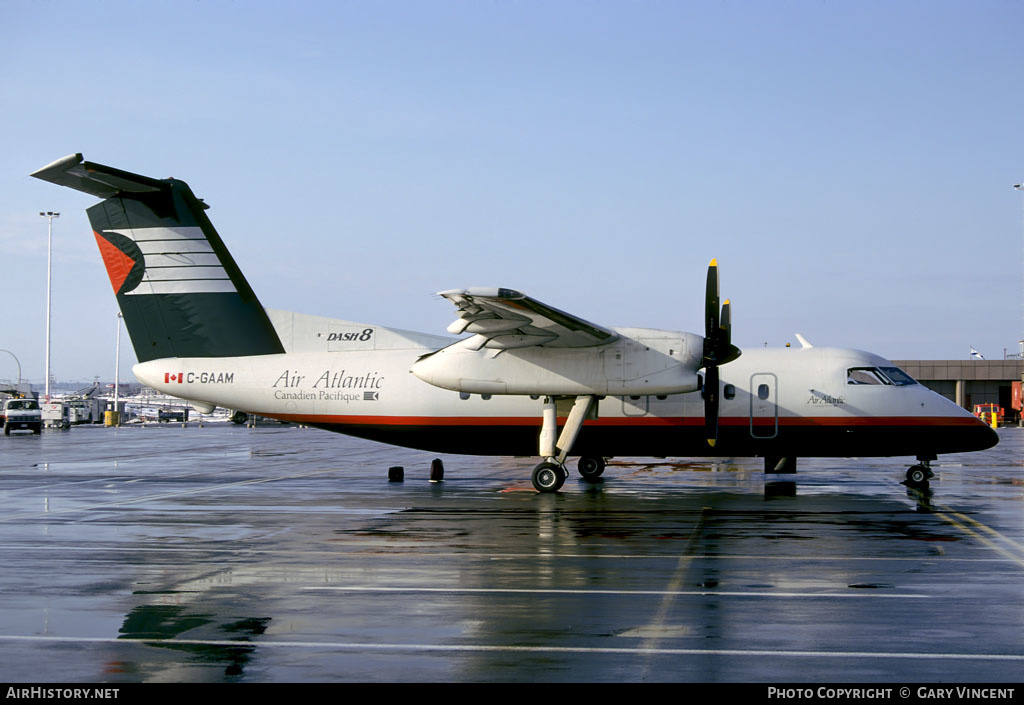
<point>764,405</point>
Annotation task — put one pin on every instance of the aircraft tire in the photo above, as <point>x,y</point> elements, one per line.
<point>917,476</point>
<point>548,477</point>
<point>590,467</point>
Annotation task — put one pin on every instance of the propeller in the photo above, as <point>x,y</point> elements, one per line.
<point>718,350</point>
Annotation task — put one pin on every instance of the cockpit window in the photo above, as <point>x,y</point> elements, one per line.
<point>897,376</point>
<point>865,375</point>
<point>878,376</point>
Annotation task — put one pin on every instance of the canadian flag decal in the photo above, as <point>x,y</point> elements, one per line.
<point>168,377</point>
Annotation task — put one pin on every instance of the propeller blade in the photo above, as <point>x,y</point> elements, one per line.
<point>718,350</point>
<point>711,405</point>
<point>725,351</point>
<point>725,324</point>
<point>711,299</point>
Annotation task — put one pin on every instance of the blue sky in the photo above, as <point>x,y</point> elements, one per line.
<point>849,164</point>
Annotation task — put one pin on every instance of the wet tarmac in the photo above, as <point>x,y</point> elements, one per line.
<point>283,554</point>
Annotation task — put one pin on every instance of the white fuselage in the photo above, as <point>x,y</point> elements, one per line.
<point>796,401</point>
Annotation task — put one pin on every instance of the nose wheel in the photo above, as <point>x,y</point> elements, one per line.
<point>548,477</point>
<point>918,475</point>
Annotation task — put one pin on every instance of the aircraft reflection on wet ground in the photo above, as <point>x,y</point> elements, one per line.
<point>283,554</point>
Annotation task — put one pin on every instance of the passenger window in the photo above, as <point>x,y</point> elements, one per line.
<point>762,392</point>
<point>729,391</point>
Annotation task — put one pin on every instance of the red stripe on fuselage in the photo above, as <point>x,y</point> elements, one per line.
<point>639,422</point>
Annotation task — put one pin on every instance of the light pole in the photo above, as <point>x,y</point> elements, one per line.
<point>49,215</point>
<point>117,371</point>
<point>1019,188</point>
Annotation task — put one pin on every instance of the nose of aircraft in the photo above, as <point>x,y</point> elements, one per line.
<point>987,439</point>
<point>961,431</point>
<point>973,434</point>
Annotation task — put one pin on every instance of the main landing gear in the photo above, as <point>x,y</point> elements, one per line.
<point>550,474</point>
<point>549,477</point>
<point>590,468</point>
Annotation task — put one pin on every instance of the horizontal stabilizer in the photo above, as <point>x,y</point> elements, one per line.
<point>95,179</point>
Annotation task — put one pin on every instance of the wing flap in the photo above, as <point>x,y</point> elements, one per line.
<point>505,318</point>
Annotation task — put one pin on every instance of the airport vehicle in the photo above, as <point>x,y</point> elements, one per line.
<point>150,413</point>
<point>73,410</point>
<point>21,415</point>
<point>529,380</point>
<point>991,414</point>
<point>56,414</point>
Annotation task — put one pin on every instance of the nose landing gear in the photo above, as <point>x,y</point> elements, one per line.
<point>919,475</point>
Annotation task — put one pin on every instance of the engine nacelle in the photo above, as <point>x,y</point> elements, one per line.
<point>641,362</point>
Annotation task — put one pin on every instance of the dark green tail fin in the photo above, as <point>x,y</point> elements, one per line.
<point>180,291</point>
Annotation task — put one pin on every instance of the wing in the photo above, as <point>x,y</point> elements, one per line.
<point>503,319</point>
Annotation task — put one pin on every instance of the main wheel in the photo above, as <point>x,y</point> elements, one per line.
<point>917,475</point>
<point>590,468</point>
<point>548,477</point>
